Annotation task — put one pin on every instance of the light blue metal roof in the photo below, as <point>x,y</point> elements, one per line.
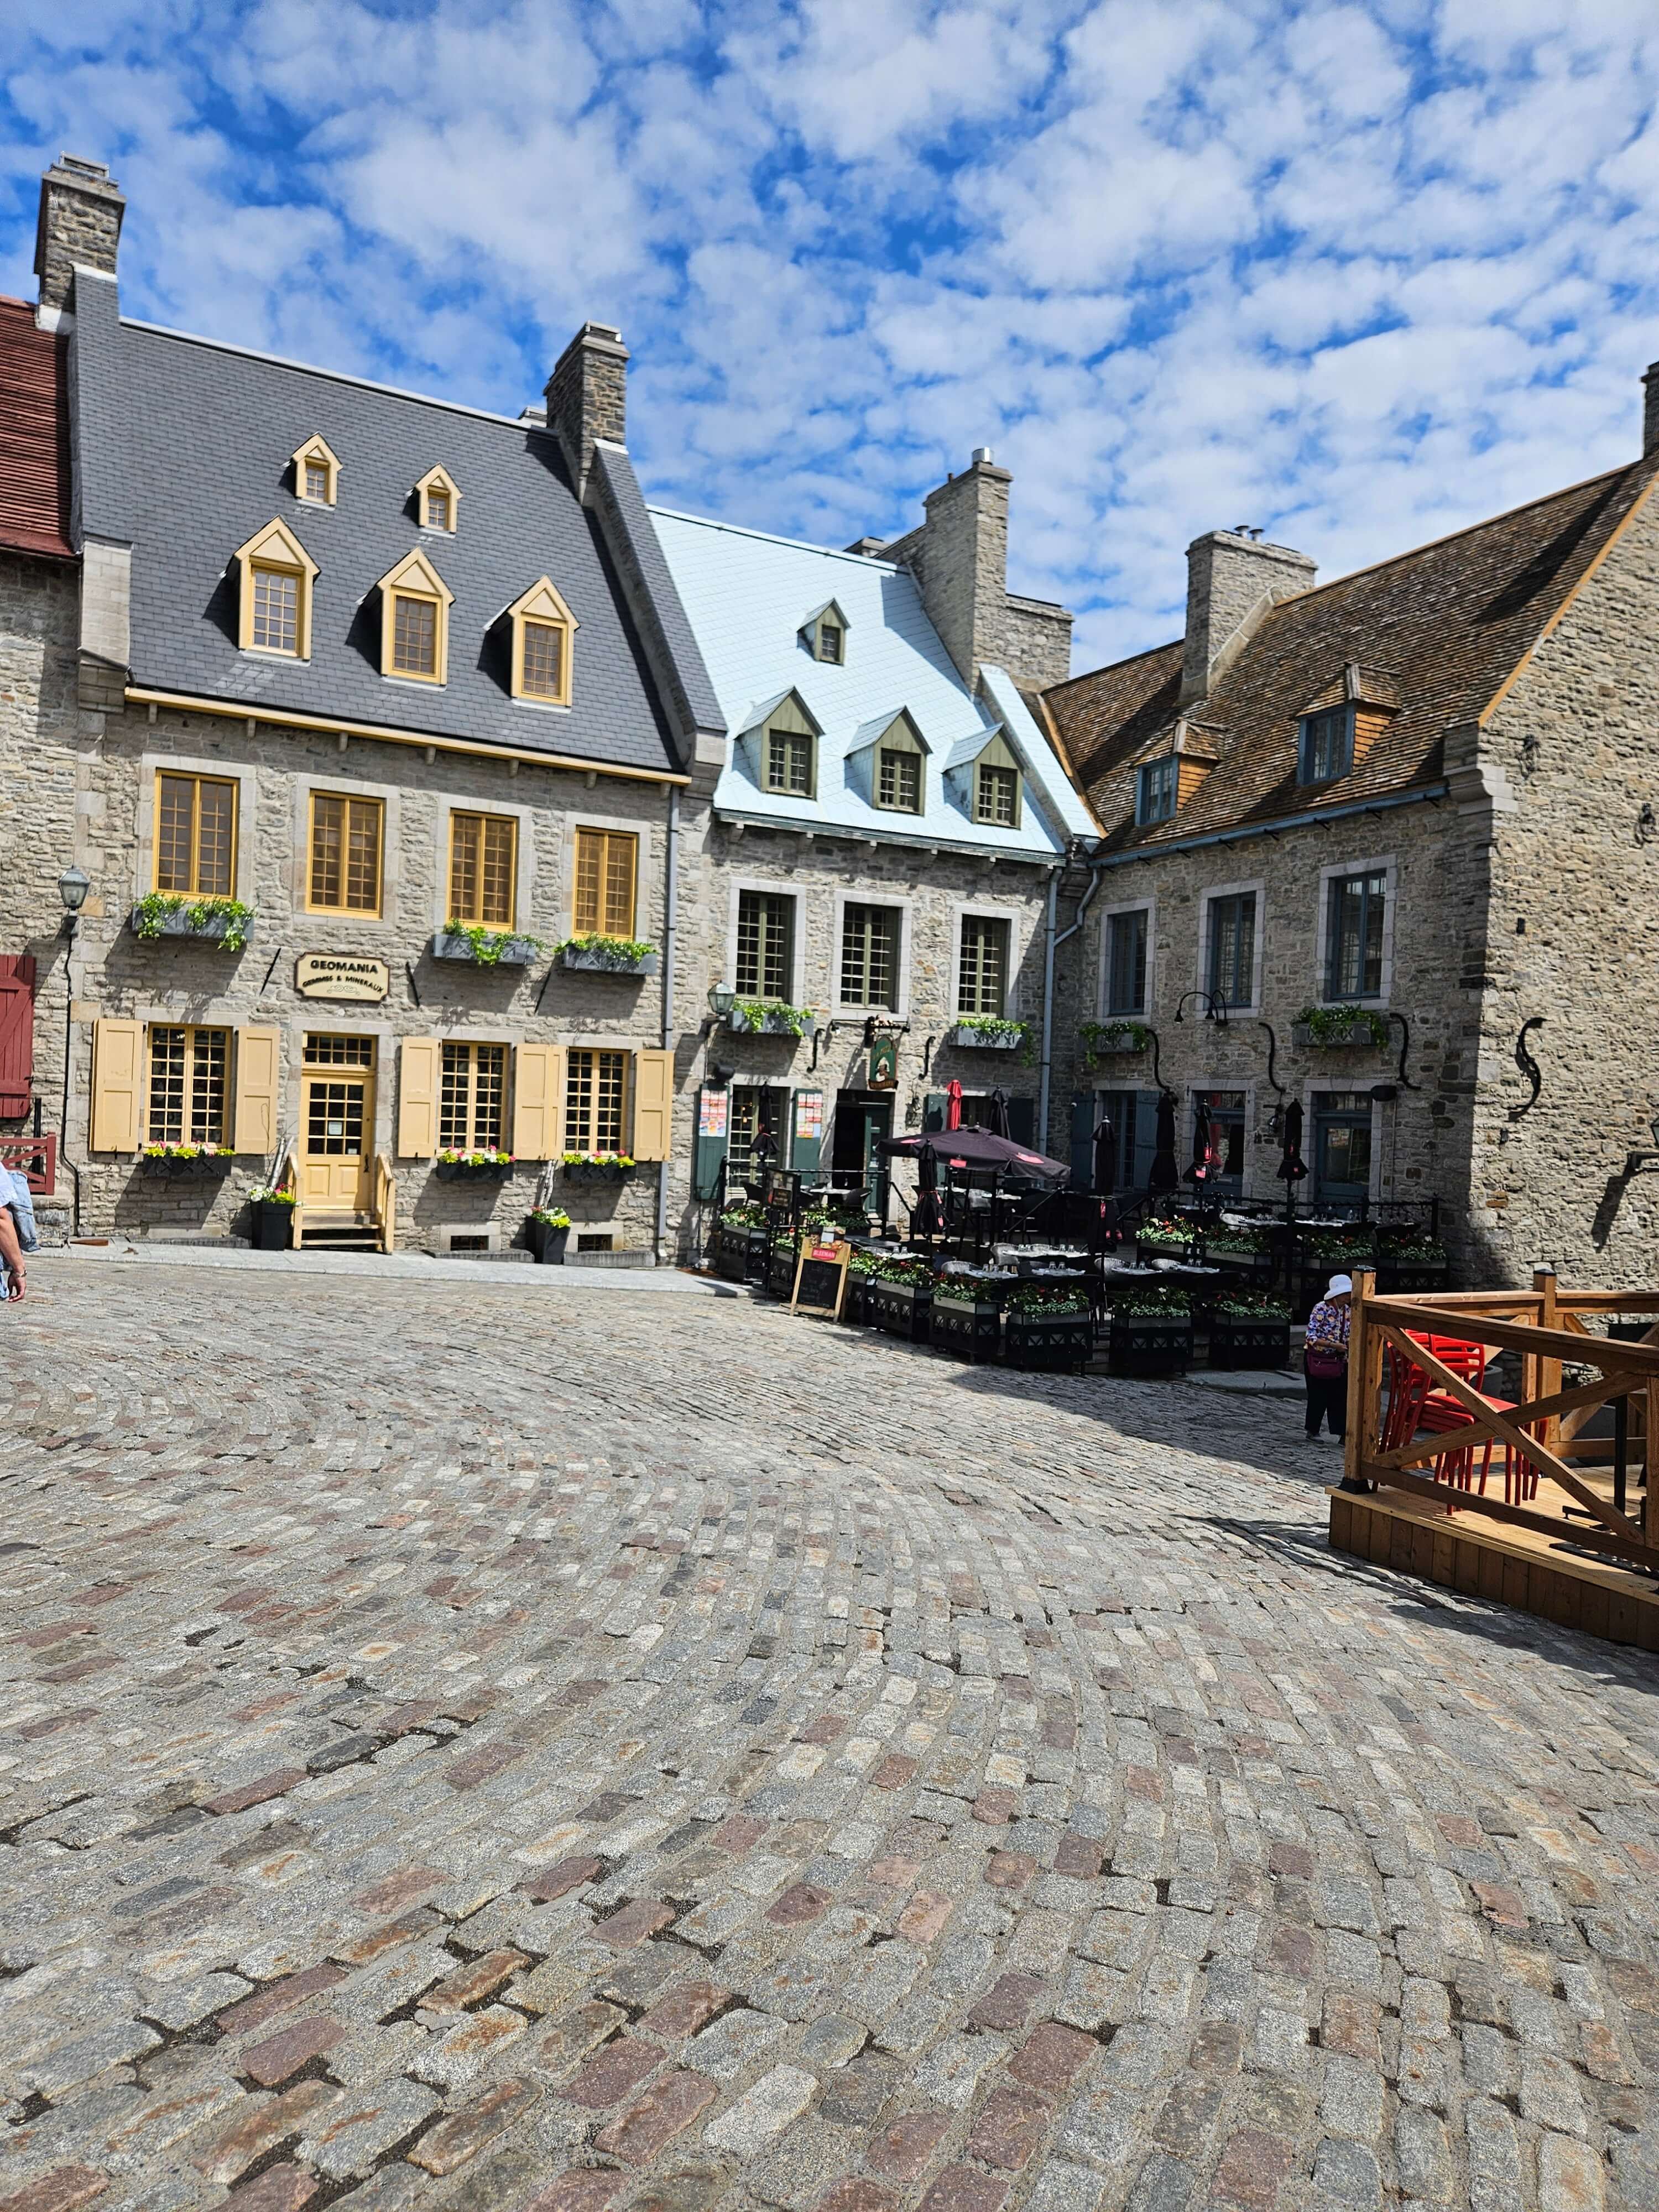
<point>747,597</point>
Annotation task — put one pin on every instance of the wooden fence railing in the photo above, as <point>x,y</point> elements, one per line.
<point>1541,1432</point>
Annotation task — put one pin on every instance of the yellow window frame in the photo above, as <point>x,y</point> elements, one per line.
<point>276,550</point>
<point>543,603</point>
<point>462,820</point>
<point>316,453</point>
<point>602,921</point>
<point>438,480</point>
<point>348,800</point>
<point>192,889</point>
<point>414,578</point>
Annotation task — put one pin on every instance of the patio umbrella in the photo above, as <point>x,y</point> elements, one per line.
<point>1105,1157</point>
<point>1166,1175</point>
<point>1201,1166</point>
<point>1292,1167</point>
<point>925,1219</point>
<point>953,1104</point>
<point>978,1148</point>
<point>997,1121</point>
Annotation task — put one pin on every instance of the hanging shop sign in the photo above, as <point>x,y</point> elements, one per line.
<point>340,975</point>
<point>883,1063</point>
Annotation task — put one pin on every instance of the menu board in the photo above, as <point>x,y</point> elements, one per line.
<point>820,1279</point>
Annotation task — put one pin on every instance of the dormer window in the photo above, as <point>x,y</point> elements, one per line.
<point>1156,788</point>
<point>996,794</point>
<point>887,762</point>
<point>274,599</point>
<point>436,501</point>
<point>789,762</point>
<point>415,604</point>
<point>316,473</point>
<point>543,632</point>
<point>825,632</point>
<point>898,781</point>
<point>829,640</point>
<point>1325,749</point>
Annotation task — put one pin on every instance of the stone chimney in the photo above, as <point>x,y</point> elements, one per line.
<point>959,556</point>
<point>1233,580</point>
<point>79,221</point>
<point>1650,411</point>
<point>587,397</point>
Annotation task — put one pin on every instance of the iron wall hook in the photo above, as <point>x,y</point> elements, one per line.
<point>1528,1065</point>
<point>1406,1046</point>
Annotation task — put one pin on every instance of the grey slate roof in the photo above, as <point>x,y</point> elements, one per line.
<point>182,450</point>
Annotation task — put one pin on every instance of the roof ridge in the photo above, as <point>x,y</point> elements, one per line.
<point>1106,667</point>
<point>773,538</point>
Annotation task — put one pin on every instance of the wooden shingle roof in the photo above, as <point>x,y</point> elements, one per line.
<point>35,483</point>
<point>1438,630</point>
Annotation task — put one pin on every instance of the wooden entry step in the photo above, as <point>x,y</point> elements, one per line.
<point>1513,1567</point>
<point>339,1232</point>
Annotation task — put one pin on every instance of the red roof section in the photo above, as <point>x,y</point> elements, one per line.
<point>34,474</point>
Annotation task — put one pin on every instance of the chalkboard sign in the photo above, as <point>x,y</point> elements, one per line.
<point>820,1279</point>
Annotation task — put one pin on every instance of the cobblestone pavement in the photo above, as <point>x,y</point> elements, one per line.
<point>466,1748</point>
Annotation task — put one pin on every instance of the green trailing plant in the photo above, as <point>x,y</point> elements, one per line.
<point>595,1159</point>
<point>1345,1025</point>
<point>150,915</point>
<point>489,944</point>
<point>550,1217</point>
<point>759,1013</point>
<point>993,1029</point>
<point>1330,1247</point>
<point>1047,1299</point>
<point>1175,1234</point>
<point>1100,1037</point>
<point>1251,1306</point>
<point>485,1157</point>
<point>1238,1241</point>
<point>891,1269</point>
<point>265,1196</point>
<point>1153,1302</point>
<point>610,952</point>
<point>746,1213</point>
<point>188,1152</point>
<point>1416,1252</point>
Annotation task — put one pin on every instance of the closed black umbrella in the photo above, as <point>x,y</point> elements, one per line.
<point>997,1120</point>
<point>1292,1167</point>
<point>1201,1166</point>
<point>1166,1175</point>
<point>925,1220</point>
<point>1105,1157</point>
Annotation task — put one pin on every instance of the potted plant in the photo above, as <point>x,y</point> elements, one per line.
<point>273,1218</point>
<point>547,1232</point>
<point>1241,1251</point>
<point>771,1017</point>
<point>740,1242</point>
<point>1151,1331</point>
<point>899,1298</point>
<point>1411,1263</point>
<point>1329,1028</point>
<point>990,1033</point>
<point>1120,1039</point>
<point>1166,1239</point>
<point>226,922</point>
<point>187,1159</point>
<point>487,1164</point>
<point>1249,1329</point>
<point>597,1167</point>
<point>484,948</point>
<point>780,1267</point>
<point>594,955</point>
<point>1051,1325</point>
<point>966,1315</point>
<point>854,1307</point>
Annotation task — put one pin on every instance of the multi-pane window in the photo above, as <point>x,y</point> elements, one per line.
<point>1327,746</point>
<point>996,795</point>
<point>829,640</point>
<point>755,1132</point>
<point>898,781</point>
<point>766,946</point>
<point>1232,949</point>
<point>187,1085</point>
<point>789,762</point>
<point>317,481</point>
<point>437,510</point>
<point>607,863</point>
<point>982,969</point>
<point>1125,962</point>
<point>482,857</point>
<point>414,635</point>
<point>348,1051</point>
<point>1358,908</point>
<point>1156,789</point>
<point>870,956</point>
<point>471,1097</point>
<point>542,668</point>
<point>345,854</point>
<point>196,834</point>
<point>595,1095</point>
<point>276,609</point>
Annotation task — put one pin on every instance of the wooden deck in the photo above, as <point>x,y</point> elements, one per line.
<point>1519,1567</point>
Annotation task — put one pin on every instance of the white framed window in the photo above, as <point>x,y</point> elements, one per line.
<point>1230,919</point>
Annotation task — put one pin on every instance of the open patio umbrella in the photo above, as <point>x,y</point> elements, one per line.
<point>1166,1175</point>
<point>997,1123</point>
<point>1105,1156</point>
<point>978,1148</point>
<point>953,1104</point>
<point>1200,1167</point>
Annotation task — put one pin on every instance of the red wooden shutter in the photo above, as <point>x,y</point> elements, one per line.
<point>17,1032</point>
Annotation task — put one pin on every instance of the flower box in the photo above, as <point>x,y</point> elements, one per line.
<point>547,1241</point>
<point>515,952</point>
<point>781,1270</point>
<point>273,1225</point>
<point>1399,1277</point>
<point>969,1039</point>
<point>596,1170</point>
<point>583,961</point>
<point>208,1160</point>
<point>969,1325</point>
<point>1355,1036</point>
<point>1114,1041</point>
<point>853,1304</point>
<point>1148,1248</point>
<point>740,1251</point>
<point>772,1021</point>
<point>1049,1341</point>
<point>1241,1263</point>
<point>211,923</point>
<point>473,1170</point>
<point>1150,1344</point>
<point>1234,1342</point>
<point>899,1309</point>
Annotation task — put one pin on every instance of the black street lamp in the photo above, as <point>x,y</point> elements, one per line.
<point>72,888</point>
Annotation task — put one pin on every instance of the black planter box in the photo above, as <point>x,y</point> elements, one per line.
<point>1039,1341</point>
<point>578,962</point>
<point>593,1172</point>
<point>739,1254</point>
<point>780,1271</point>
<point>972,1327</point>
<point>854,1306</point>
<point>546,1242</point>
<point>206,1164</point>
<point>1411,1275</point>
<point>1250,1343</point>
<point>1148,1250</point>
<point>1241,1263</point>
<point>899,1309</point>
<point>467,1171</point>
<point>272,1226</point>
<point>516,952</point>
<point>1150,1344</point>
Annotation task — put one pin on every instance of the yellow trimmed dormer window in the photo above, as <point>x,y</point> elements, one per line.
<point>415,604</point>
<point>274,593</point>
<point>316,473</point>
<point>436,501</point>
<point>543,633</point>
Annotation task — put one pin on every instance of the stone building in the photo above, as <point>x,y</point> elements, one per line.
<point>1383,845</point>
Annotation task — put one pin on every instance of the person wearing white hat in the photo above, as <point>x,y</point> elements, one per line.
<point>1325,1360</point>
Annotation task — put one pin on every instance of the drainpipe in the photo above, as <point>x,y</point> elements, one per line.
<point>1048,1010</point>
<point>671,914</point>
<point>1055,944</point>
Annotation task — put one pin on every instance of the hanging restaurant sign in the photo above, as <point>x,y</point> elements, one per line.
<point>883,1063</point>
<point>339,975</point>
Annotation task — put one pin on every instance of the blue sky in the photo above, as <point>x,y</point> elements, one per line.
<point>1358,273</point>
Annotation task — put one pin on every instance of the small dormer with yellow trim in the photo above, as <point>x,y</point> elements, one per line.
<point>415,604</point>
<point>437,501</point>
<point>316,473</point>
<point>544,642</point>
<point>273,587</point>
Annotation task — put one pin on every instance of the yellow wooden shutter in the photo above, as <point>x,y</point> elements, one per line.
<point>256,1055</point>
<point>117,1059</point>
<point>539,1102</point>
<point>417,1097</point>
<point>653,1105</point>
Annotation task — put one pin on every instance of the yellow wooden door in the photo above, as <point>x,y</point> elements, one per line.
<point>336,1130</point>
